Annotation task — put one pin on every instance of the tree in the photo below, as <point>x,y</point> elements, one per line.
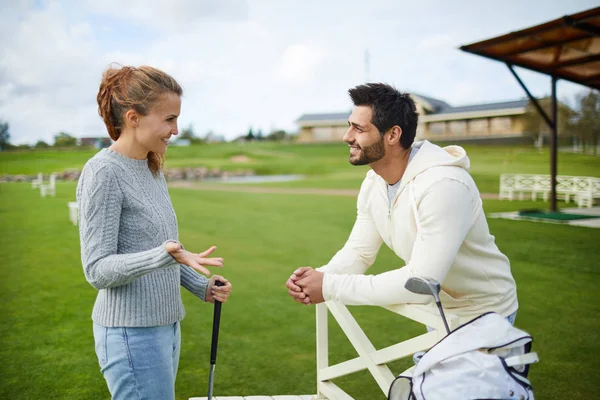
<point>250,136</point>
<point>63,139</point>
<point>536,125</point>
<point>4,135</point>
<point>41,144</point>
<point>587,124</point>
<point>211,137</point>
<point>188,133</point>
<point>277,135</point>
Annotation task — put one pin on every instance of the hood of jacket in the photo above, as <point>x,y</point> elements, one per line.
<point>430,155</point>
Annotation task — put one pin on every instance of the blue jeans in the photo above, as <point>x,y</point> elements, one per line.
<point>512,317</point>
<point>139,363</point>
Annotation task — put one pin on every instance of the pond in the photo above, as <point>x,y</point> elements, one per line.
<point>257,179</point>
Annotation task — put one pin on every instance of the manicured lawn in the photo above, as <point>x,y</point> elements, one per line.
<point>325,165</point>
<point>267,343</point>
<point>45,161</point>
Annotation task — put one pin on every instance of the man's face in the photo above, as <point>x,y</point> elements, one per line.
<point>365,141</point>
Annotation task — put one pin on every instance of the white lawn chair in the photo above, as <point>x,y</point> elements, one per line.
<point>36,182</point>
<point>369,358</point>
<point>50,188</point>
<point>375,361</point>
<point>73,212</point>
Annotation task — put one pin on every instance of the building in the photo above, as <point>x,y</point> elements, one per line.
<point>212,137</point>
<point>180,142</point>
<point>438,120</point>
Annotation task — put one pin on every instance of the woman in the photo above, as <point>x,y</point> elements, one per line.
<point>129,242</point>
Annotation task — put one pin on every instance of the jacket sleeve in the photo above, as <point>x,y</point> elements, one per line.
<point>361,248</point>
<point>100,201</point>
<point>446,216</point>
<point>194,282</point>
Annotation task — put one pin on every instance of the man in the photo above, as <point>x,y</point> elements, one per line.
<point>419,200</point>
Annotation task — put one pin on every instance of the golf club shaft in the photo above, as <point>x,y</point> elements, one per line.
<point>211,379</point>
<point>439,304</point>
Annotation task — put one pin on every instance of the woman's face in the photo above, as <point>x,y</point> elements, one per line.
<point>155,129</point>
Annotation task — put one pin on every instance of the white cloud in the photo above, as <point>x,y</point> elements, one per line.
<point>435,42</point>
<point>49,76</point>
<point>173,15</point>
<point>299,63</point>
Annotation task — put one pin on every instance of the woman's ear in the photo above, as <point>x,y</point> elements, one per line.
<point>132,118</point>
<point>394,135</point>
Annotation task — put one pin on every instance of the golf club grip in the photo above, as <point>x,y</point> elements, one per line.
<point>215,331</point>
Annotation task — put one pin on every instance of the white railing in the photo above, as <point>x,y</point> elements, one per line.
<point>583,189</point>
<point>368,357</point>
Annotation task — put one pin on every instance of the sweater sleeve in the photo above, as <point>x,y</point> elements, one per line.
<point>361,248</point>
<point>446,216</point>
<point>194,282</point>
<point>100,202</point>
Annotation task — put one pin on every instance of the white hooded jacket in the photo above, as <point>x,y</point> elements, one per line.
<point>436,224</point>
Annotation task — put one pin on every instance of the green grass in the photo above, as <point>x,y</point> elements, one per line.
<point>267,343</point>
<point>45,161</point>
<point>325,165</point>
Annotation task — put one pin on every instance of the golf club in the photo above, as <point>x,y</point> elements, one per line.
<point>427,286</point>
<point>214,344</point>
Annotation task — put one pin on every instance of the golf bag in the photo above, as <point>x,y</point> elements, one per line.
<point>486,358</point>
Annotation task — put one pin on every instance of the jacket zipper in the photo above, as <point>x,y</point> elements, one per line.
<point>391,206</point>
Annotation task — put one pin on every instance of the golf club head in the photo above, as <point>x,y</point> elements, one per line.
<point>430,287</point>
<point>423,286</point>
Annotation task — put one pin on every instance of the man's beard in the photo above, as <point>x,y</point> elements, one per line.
<point>369,154</point>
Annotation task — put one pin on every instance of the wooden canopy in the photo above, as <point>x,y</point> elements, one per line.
<point>566,48</point>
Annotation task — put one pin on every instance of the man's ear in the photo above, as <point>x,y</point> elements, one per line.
<point>394,135</point>
<point>132,119</point>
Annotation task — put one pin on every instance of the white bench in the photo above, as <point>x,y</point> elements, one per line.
<point>583,189</point>
<point>50,188</point>
<point>73,212</point>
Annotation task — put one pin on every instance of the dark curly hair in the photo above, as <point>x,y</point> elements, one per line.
<point>390,107</point>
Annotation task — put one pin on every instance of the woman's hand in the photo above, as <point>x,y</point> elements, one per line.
<point>196,261</point>
<point>219,293</point>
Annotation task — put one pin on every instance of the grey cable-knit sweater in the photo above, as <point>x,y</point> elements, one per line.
<point>125,219</point>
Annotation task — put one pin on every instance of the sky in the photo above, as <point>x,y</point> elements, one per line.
<point>255,63</point>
